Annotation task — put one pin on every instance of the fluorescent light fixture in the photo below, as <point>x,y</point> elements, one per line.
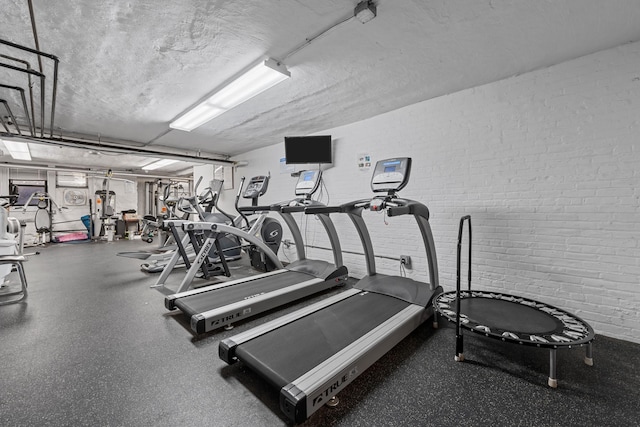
<point>159,164</point>
<point>256,80</point>
<point>18,150</point>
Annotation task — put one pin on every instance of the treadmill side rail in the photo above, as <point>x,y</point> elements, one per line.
<point>227,347</point>
<point>308,393</point>
<point>170,300</point>
<point>250,306</point>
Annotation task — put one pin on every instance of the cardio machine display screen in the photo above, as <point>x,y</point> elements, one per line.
<point>391,174</point>
<point>391,166</point>
<point>308,182</point>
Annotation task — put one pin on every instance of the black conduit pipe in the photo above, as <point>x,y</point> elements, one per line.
<point>56,62</point>
<point>13,119</point>
<point>35,33</point>
<point>33,108</point>
<point>4,125</point>
<point>42,89</point>
<point>24,105</point>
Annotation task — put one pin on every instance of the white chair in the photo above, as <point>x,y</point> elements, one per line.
<point>13,296</point>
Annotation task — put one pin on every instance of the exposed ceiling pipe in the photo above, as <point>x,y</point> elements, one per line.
<point>35,33</point>
<point>56,62</point>
<point>92,172</point>
<point>309,40</point>
<point>24,105</point>
<point>33,108</point>
<point>42,89</point>
<point>13,119</point>
<point>120,149</point>
<point>4,125</point>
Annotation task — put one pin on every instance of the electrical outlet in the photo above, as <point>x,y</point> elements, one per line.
<point>406,261</point>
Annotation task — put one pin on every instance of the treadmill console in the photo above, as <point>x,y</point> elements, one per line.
<point>257,187</point>
<point>391,175</point>
<point>308,182</point>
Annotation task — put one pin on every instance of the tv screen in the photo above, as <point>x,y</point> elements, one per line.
<point>24,190</point>
<point>307,149</point>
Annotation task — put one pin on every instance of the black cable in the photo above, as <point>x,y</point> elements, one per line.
<point>327,190</point>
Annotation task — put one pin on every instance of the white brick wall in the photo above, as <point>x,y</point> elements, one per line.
<point>546,164</point>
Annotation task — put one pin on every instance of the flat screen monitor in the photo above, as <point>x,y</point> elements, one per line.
<point>24,190</point>
<point>307,149</point>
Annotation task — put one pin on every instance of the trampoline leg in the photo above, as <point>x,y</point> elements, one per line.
<point>459,357</point>
<point>588,359</point>
<point>553,381</point>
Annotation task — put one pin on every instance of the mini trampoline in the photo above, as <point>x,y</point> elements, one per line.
<point>512,318</point>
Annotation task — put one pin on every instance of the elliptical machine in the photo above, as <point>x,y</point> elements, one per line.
<point>258,231</point>
<point>203,206</point>
<point>270,230</point>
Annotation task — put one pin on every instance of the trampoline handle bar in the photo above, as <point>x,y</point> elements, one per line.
<point>460,229</point>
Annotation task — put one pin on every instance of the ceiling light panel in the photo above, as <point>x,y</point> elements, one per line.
<point>159,164</point>
<point>18,150</point>
<point>253,82</point>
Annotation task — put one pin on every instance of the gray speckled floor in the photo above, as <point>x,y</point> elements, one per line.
<point>94,346</point>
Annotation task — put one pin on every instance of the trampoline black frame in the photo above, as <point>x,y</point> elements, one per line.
<point>576,332</point>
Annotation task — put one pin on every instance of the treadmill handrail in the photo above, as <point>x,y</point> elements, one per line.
<point>292,209</point>
<point>323,209</point>
<point>395,207</point>
<point>406,207</point>
<point>343,208</point>
<point>254,209</point>
<point>334,240</point>
<point>421,214</point>
<point>295,205</point>
<point>354,211</point>
<point>301,204</point>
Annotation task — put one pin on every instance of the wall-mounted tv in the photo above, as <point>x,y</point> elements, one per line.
<point>307,149</point>
<point>25,188</point>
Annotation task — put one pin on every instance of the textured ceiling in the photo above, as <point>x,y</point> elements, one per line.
<point>128,68</point>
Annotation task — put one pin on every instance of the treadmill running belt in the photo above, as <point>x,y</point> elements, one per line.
<point>316,337</point>
<point>199,303</point>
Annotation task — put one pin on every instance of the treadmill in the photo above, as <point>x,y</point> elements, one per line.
<point>312,354</point>
<point>219,305</point>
